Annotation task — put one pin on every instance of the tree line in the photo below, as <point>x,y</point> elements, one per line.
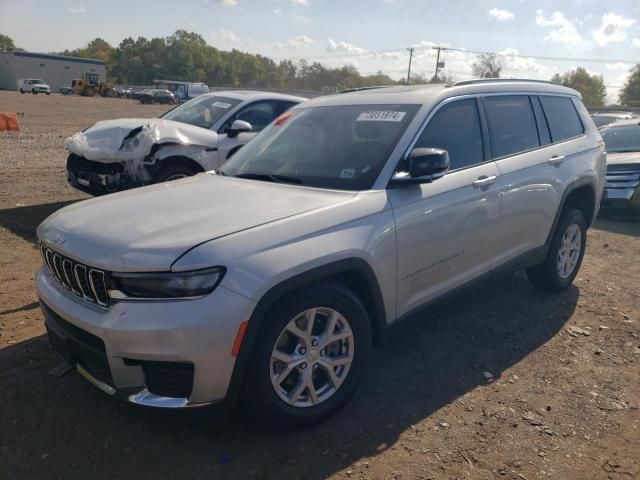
<point>187,56</point>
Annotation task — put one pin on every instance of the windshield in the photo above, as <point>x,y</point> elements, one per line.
<point>37,82</point>
<point>622,138</point>
<point>341,147</point>
<point>202,111</point>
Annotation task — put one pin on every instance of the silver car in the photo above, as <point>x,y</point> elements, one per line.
<point>269,280</point>
<point>194,137</point>
<point>622,139</point>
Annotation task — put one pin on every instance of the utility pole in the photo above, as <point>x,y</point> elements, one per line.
<point>435,77</point>
<point>410,50</point>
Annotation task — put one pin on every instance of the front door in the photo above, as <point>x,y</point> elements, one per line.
<point>446,230</point>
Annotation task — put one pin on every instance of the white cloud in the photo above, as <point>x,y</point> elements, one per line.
<point>76,11</point>
<point>301,3</point>
<point>619,66</point>
<point>613,29</point>
<point>277,11</point>
<point>500,14</point>
<point>298,42</point>
<point>566,32</point>
<point>229,3</point>
<point>343,47</point>
<point>636,42</point>
<point>512,62</point>
<point>228,36</point>
<point>300,19</point>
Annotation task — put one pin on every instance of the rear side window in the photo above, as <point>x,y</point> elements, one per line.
<point>512,124</point>
<point>562,118</point>
<point>456,128</point>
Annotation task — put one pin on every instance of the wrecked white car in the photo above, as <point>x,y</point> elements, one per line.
<point>197,136</point>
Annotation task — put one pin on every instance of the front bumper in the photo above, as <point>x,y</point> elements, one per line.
<point>96,178</point>
<point>116,349</point>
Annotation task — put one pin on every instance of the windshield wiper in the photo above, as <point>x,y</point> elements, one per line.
<point>270,177</point>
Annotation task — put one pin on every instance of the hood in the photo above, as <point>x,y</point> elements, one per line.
<point>147,229</point>
<point>102,141</point>
<point>623,158</point>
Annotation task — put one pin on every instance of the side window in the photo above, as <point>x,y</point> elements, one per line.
<point>543,128</point>
<point>512,125</point>
<point>562,117</point>
<point>456,128</point>
<point>258,114</point>
<point>283,106</point>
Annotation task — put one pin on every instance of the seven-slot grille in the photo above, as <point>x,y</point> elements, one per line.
<point>83,281</point>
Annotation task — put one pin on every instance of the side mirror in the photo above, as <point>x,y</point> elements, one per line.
<point>425,166</point>
<point>239,126</point>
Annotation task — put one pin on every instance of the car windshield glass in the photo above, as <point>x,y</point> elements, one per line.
<point>622,138</point>
<point>342,147</point>
<point>202,111</point>
<point>36,82</point>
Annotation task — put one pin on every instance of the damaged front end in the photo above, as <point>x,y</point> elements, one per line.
<point>116,155</point>
<point>100,162</point>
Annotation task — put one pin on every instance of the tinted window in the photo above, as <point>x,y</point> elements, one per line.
<point>342,146</point>
<point>456,128</point>
<point>621,138</point>
<point>283,106</point>
<point>258,114</point>
<point>512,124</point>
<point>562,118</point>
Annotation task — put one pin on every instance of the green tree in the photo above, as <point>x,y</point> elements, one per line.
<point>488,65</point>
<point>6,43</point>
<point>630,94</point>
<point>590,86</point>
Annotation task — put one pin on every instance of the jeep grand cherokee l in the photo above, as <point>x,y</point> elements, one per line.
<point>267,281</point>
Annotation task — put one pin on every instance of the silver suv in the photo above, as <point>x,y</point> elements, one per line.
<point>269,280</point>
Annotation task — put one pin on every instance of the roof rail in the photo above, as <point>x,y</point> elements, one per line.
<point>497,80</point>
<point>359,89</point>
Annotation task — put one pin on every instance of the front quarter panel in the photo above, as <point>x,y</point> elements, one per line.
<point>260,258</point>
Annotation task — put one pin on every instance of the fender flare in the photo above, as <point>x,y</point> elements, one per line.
<point>289,285</point>
<point>581,182</point>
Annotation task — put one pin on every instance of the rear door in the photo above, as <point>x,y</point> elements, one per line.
<point>446,229</point>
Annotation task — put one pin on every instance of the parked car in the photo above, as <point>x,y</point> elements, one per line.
<point>605,118</point>
<point>622,140</point>
<point>65,90</point>
<point>156,95</point>
<point>268,280</point>
<point>135,95</point>
<point>199,135</point>
<point>33,85</point>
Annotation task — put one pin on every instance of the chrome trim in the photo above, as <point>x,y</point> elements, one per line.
<point>93,287</point>
<point>67,276</point>
<point>145,397</point>
<point>108,389</point>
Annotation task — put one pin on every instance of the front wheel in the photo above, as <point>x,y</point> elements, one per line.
<point>173,172</point>
<point>22,91</point>
<point>565,254</point>
<point>311,356</point>
<point>34,92</point>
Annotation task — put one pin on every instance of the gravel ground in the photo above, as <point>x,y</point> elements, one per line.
<point>500,381</point>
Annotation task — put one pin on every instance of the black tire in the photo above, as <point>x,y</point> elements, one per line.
<point>173,170</point>
<point>546,275</point>
<point>22,91</point>
<point>259,398</point>
<point>48,93</point>
<point>34,92</point>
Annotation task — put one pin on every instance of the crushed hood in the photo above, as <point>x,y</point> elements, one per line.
<point>622,158</point>
<point>147,229</point>
<point>103,142</point>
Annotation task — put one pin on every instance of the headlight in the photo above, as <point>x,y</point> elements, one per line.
<point>168,285</point>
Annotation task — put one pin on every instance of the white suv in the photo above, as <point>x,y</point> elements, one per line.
<point>269,280</point>
<point>33,85</point>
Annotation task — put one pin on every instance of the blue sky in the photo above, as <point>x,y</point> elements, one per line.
<point>371,35</point>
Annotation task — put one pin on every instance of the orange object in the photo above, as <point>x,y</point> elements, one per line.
<point>242,329</point>
<point>9,121</point>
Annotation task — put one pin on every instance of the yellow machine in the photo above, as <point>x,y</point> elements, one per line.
<point>90,84</point>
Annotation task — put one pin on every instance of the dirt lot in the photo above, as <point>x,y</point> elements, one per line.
<point>560,401</point>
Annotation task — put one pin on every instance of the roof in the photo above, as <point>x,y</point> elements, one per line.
<point>423,94</point>
<point>61,58</point>
<point>255,95</point>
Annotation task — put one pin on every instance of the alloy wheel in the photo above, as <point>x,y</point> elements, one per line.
<point>569,251</point>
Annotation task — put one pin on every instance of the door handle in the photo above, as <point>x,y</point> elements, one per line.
<point>484,181</point>
<point>556,159</point>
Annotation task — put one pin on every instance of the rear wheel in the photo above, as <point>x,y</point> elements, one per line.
<point>34,91</point>
<point>310,358</point>
<point>22,91</point>
<point>565,254</point>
